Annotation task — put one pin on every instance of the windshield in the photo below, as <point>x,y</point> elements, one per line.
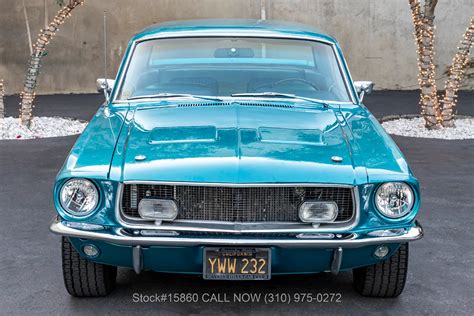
<point>226,66</point>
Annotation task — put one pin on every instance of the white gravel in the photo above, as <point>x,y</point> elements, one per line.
<point>41,127</point>
<point>415,127</point>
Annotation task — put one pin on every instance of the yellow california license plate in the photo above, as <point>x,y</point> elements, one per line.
<point>236,264</point>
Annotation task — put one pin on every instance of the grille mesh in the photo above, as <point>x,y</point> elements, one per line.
<point>237,204</point>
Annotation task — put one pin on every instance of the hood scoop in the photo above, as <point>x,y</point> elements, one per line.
<point>220,104</point>
<point>311,137</point>
<point>183,134</point>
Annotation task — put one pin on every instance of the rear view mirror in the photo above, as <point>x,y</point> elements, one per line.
<point>363,87</point>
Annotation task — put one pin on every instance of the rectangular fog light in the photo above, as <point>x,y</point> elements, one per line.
<point>318,212</point>
<point>159,210</point>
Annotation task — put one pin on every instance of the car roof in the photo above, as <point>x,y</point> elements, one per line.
<point>234,26</point>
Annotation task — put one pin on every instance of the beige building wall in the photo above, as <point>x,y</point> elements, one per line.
<point>376,35</point>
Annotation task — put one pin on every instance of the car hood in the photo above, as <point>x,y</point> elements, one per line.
<point>236,143</point>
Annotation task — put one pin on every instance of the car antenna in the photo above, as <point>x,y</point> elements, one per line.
<point>106,81</point>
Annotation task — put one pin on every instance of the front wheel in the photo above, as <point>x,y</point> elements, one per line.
<point>84,278</point>
<point>384,279</point>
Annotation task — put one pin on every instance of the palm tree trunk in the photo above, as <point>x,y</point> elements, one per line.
<point>2,104</point>
<point>45,36</point>
<point>424,36</point>
<point>456,75</point>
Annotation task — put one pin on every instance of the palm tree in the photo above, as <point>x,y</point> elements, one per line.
<point>456,75</point>
<point>437,113</point>
<point>424,35</point>
<point>44,37</point>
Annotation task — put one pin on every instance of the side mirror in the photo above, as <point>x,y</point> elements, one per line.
<point>105,86</point>
<point>363,87</point>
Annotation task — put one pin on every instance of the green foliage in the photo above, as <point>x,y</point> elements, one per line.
<point>60,2</point>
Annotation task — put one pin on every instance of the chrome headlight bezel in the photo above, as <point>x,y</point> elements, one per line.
<point>381,200</point>
<point>89,190</point>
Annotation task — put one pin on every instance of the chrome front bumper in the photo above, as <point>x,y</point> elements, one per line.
<point>121,237</point>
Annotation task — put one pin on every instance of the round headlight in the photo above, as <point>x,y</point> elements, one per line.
<point>394,199</point>
<point>79,197</point>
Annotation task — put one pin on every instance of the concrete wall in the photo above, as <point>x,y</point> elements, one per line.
<point>376,35</point>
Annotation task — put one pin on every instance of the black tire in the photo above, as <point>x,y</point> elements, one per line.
<point>384,279</point>
<point>84,278</point>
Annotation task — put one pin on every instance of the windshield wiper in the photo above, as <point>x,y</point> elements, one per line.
<point>175,95</point>
<point>279,95</point>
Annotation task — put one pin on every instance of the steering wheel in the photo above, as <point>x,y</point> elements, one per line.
<point>279,82</point>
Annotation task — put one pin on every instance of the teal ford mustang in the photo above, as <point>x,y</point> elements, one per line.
<point>235,150</point>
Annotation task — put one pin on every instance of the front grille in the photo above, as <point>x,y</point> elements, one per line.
<point>237,204</point>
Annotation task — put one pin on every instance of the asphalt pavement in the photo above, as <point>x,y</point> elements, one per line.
<point>441,274</point>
